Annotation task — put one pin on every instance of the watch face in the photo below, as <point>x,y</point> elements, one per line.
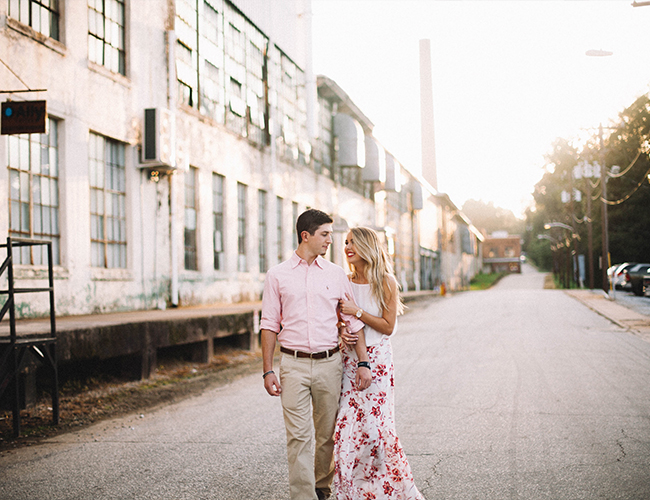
<point>359,313</point>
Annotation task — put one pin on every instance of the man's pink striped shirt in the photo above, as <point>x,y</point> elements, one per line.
<point>300,302</point>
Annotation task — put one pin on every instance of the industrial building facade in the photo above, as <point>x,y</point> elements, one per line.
<point>183,139</point>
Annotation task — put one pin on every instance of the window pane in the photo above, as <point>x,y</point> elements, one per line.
<point>24,186</point>
<point>15,216</point>
<point>36,191</point>
<point>24,218</point>
<point>14,182</point>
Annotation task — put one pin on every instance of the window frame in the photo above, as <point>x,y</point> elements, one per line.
<point>113,190</point>
<point>103,39</point>
<point>241,227</point>
<point>27,188</point>
<point>40,6</point>
<point>279,227</point>
<point>262,230</point>
<point>218,208</point>
<point>190,245</point>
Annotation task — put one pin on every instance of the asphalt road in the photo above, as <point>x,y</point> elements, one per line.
<point>510,393</point>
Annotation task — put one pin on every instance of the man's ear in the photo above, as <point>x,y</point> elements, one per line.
<point>305,235</point>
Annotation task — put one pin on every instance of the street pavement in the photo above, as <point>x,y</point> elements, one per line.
<point>510,393</point>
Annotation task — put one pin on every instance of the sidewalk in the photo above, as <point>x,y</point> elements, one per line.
<point>133,339</point>
<point>38,326</point>
<point>626,318</point>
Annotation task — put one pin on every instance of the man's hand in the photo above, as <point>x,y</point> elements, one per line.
<point>346,336</point>
<point>363,378</point>
<point>272,385</point>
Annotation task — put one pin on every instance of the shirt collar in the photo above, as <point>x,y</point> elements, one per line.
<point>296,260</point>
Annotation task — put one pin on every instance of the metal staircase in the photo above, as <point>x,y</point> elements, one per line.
<point>14,348</point>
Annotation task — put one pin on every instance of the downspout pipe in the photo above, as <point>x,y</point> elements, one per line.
<point>173,209</point>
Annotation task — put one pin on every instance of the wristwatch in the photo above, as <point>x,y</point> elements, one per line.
<point>359,313</point>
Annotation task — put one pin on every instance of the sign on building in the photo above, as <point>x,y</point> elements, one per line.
<point>23,117</point>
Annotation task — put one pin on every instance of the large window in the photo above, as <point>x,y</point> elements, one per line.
<point>261,230</point>
<point>34,192</point>
<point>106,34</point>
<point>107,202</point>
<point>278,228</point>
<point>323,143</point>
<point>217,217</point>
<point>221,66</point>
<point>288,98</point>
<point>241,226</point>
<point>40,15</point>
<point>211,71</point>
<point>190,220</point>
<point>294,214</point>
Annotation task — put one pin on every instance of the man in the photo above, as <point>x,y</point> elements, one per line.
<point>299,309</point>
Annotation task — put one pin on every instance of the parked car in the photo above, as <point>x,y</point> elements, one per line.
<point>646,284</point>
<point>635,275</point>
<point>618,278</point>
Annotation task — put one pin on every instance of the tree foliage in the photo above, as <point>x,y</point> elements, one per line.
<point>487,217</point>
<point>625,148</point>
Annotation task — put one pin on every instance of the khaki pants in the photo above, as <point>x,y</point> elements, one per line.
<point>308,383</point>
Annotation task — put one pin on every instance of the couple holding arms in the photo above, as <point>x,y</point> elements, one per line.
<point>339,392</point>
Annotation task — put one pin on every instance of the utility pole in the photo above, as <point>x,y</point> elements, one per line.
<point>605,237</point>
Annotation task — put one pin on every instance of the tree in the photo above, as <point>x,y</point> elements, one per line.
<point>628,193</point>
<point>490,218</point>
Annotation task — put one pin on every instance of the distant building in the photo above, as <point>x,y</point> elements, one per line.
<point>502,253</point>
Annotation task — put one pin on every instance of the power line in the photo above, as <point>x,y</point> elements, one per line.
<point>614,176</point>
<point>618,202</point>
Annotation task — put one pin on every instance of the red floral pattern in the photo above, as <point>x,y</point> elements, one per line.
<point>369,459</point>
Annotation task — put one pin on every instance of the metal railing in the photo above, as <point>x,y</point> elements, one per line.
<point>15,347</point>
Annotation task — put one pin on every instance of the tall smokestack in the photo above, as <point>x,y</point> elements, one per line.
<point>429,170</point>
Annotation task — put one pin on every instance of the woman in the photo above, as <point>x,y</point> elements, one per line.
<point>370,462</point>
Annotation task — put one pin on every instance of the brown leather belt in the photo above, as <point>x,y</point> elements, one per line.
<point>312,355</point>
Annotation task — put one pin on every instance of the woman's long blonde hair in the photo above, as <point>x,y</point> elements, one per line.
<point>378,266</point>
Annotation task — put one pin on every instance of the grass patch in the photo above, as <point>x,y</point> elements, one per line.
<point>550,282</point>
<point>484,281</point>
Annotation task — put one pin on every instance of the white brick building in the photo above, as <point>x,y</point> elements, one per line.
<point>248,139</point>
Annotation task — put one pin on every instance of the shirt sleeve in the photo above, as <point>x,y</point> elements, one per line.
<point>355,324</point>
<point>271,305</point>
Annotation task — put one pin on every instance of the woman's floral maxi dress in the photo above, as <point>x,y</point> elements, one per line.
<point>370,462</point>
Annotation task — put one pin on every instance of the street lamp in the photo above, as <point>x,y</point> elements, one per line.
<point>549,225</point>
<point>603,183</point>
<point>572,264</point>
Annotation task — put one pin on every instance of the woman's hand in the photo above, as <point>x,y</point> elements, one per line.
<point>348,306</point>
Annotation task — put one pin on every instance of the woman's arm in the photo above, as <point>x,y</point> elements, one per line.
<point>386,322</point>
<point>363,378</point>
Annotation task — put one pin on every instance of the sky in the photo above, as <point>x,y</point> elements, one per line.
<point>509,78</point>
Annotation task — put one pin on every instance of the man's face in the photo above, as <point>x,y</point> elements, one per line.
<point>320,241</point>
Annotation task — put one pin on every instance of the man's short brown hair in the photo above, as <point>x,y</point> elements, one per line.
<point>310,220</point>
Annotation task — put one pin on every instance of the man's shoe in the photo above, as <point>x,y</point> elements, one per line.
<point>321,494</point>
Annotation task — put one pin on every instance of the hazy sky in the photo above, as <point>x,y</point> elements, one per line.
<point>509,77</point>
